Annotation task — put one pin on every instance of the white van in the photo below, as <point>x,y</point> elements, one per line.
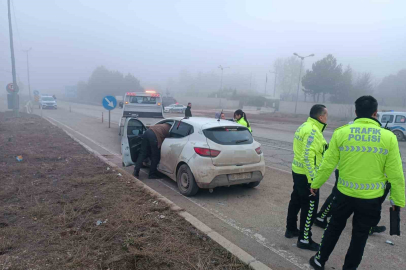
<point>395,121</point>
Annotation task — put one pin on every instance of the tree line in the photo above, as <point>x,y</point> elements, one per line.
<point>326,80</point>
<point>103,82</point>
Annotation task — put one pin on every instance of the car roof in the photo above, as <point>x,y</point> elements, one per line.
<point>391,112</point>
<point>205,122</point>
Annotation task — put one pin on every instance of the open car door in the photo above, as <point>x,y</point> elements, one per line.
<point>131,140</point>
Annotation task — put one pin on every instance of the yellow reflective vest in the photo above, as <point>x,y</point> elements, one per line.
<point>309,146</point>
<point>365,151</point>
<point>244,123</point>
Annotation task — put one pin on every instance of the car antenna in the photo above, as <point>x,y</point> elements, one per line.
<point>177,127</point>
<point>220,115</point>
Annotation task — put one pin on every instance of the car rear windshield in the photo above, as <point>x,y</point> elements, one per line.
<point>229,135</point>
<point>47,98</point>
<point>143,100</point>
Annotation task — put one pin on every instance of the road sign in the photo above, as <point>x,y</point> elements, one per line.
<point>10,88</point>
<point>109,102</point>
<point>36,93</point>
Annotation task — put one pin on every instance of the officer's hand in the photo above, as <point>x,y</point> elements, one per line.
<point>313,191</point>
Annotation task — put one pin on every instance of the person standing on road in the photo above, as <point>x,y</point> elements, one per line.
<point>365,152</point>
<point>188,111</point>
<point>309,146</point>
<point>151,144</point>
<point>241,118</point>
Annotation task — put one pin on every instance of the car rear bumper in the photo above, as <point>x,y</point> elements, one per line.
<point>209,176</point>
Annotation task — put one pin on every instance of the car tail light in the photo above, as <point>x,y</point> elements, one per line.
<point>258,150</point>
<point>159,104</point>
<point>206,152</point>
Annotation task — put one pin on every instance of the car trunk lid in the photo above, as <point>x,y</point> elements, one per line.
<point>235,144</point>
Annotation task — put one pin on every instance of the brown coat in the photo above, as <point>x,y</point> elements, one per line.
<point>161,132</point>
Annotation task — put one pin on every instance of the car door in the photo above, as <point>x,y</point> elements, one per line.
<point>172,146</point>
<point>131,140</point>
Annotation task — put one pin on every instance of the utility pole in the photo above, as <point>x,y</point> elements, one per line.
<point>266,81</point>
<point>222,70</point>
<point>300,75</point>
<point>13,66</point>
<point>274,83</point>
<point>250,81</point>
<point>28,72</point>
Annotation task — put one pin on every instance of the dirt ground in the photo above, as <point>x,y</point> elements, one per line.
<point>63,208</point>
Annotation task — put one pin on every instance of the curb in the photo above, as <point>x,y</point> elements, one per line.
<point>216,237</point>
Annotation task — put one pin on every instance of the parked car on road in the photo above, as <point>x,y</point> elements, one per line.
<point>395,121</point>
<point>201,153</point>
<point>47,102</point>
<point>179,108</point>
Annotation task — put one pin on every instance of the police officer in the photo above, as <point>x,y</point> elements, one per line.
<point>308,146</point>
<point>365,152</point>
<point>241,118</point>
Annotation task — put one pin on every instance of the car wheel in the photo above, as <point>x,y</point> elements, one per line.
<point>186,181</point>
<point>252,184</point>
<point>399,135</point>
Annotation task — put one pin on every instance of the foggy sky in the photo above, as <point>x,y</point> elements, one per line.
<point>155,40</point>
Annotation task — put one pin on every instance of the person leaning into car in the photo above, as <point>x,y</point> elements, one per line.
<point>151,144</point>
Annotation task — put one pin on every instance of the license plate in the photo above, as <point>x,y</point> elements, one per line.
<point>239,176</point>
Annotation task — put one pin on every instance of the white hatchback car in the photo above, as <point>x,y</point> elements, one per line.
<point>201,153</point>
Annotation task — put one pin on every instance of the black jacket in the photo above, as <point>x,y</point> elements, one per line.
<point>188,112</point>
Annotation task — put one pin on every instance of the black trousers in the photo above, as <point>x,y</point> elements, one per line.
<point>302,200</point>
<point>149,148</point>
<point>367,213</point>
<point>325,210</point>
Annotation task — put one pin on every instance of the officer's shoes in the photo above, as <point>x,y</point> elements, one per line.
<point>154,176</point>
<point>309,245</point>
<point>290,234</point>
<point>377,229</point>
<point>136,173</point>
<point>315,264</point>
<point>319,222</point>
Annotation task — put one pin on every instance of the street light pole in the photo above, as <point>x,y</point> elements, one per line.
<point>13,64</point>
<point>300,75</point>
<point>274,83</point>
<point>28,72</point>
<point>222,70</point>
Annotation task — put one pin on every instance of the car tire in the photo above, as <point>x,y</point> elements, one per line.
<point>399,135</point>
<point>186,181</point>
<point>252,184</point>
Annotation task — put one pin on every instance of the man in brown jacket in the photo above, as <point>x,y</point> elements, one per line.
<point>151,146</point>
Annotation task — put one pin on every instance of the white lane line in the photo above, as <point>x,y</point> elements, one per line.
<point>289,172</point>
<point>84,136</point>
<point>287,255</point>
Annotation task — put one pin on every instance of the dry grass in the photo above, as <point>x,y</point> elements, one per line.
<point>50,203</point>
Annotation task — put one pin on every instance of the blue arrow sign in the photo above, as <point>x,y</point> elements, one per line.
<point>109,102</point>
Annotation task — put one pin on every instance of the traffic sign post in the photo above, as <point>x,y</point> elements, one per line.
<point>109,103</point>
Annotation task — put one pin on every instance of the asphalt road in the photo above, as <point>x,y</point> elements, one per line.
<point>253,219</point>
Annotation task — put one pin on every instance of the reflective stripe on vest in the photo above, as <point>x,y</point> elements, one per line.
<point>356,186</point>
<point>375,150</point>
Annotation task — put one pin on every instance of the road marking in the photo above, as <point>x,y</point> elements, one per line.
<point>287,255</point>
<point>84,136</point>
<point>290,172</point>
